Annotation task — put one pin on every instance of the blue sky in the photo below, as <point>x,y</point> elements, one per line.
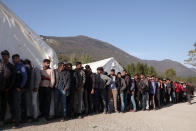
<point>148,29</point>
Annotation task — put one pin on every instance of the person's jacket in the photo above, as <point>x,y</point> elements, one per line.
<point>88,82</point>
<point>188,89</point>
<point>47,78</point>
<point>143,85</point>
<point>121,85</point>
<point>72,81</point>
<point>113,85</point>
<point>65,76</point>
<point>104,81</point>
<point>133,85</point>
<point>152,88</point>
<point>10,79</point>
<point>80,76</point>
<point>28,83</point>
<point>4,74</point>
<point>20,75</point>
<point>95,81</point>
<point>35,78</point>
<point>157,87</point>
<point>128,81</point>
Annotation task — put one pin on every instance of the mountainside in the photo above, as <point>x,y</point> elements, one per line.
<point>180,69</point>
<point>101,50</point>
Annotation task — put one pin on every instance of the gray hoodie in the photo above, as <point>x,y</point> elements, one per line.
<point>35,78</point>
<point>104,81</point>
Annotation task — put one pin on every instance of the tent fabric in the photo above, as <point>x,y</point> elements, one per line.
<point>107,64</point>
<point>17,37</point>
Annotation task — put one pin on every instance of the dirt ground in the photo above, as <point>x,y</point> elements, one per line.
<point>178,117</point>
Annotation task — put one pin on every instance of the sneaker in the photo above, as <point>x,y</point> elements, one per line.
<point>16,125</point>
<point>117,112</point>
<point>62,120</point>
<point>104,112</point>
<point>80,117</point>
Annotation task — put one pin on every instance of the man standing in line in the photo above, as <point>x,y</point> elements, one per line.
<point>88,99</point>
<point>152,93</point>
<point>7,91</point>
<point>121,86</point>
<point>46,84</point>
<point>189,93</point>
<point>157,93</point>
<point>143,85</point>
<point>80,81</point>
<point>133,88</point>
<point>20,81</point>
<point>104,82</point>
<point>127,93</point>
<point>112,92</point>
<point>62,78</point>
<point>138,94</point>
<point>71,91</point>
<point>34,86</point>
<point>169,88</point>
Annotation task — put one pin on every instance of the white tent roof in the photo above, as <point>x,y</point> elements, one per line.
<point>16,37</point>
<point>107,64</point>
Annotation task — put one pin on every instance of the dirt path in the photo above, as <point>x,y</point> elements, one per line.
<point>179,117</point>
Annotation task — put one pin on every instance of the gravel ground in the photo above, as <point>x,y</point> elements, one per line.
<point>178,117</point>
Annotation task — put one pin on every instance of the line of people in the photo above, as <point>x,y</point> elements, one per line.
<point>79,92</point>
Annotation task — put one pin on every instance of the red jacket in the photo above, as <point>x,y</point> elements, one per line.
<point>179,88</point>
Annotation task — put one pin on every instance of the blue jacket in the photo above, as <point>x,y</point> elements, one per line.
<point>21,75</point>
<point>152,88</point>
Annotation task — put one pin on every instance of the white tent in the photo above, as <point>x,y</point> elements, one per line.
<point>17,37</point>
<point>107,64</point>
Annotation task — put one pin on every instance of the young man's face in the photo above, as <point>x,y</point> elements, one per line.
<point>16,60</point>
<point>123,73</point>
<point>69,67</point>
<point>112,73</point>
<point>152,78</point>
<point>5,58</point>
<point>119,75</point>
<point>46,64</point>
<point>98,72</point>
<point>135,77</point>
<point>79,66</point>
<point>142,76</point>
<point>148,78</point>
<point>61,67</point>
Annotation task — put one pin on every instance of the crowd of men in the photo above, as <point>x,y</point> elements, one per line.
<point>79,92</point>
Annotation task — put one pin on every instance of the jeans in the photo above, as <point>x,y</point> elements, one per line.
<point>60,97</point>
<point>45,101</point>
<point>35,110</point>
<point>70,104</point>
<point>125,101</point>
<point>121,101</point>
<point>152,101</point>
<point>17,106</point>
<point>100,96</point>
<point>144,96</point>
<point>189,98</point>
<point>133,102</point>
<point>6,97</point>
<point>157,96</point>
<point>173,97</point>
<point>88,101</point>
<point>138,99</point>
